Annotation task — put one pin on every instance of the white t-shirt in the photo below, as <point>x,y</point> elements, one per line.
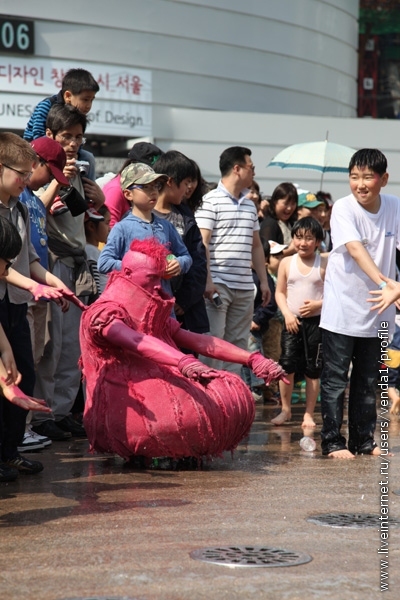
<point>347,287</point>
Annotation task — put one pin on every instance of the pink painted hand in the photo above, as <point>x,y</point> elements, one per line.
<point>68,295</point>
<point>45,292</point>
<point>16,396</point>
<point>193,369</point>
<point>265,368</point>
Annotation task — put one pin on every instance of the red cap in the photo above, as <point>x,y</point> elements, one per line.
<point>53,153</point>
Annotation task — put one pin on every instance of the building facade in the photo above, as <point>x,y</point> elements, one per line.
<point>259,73</point>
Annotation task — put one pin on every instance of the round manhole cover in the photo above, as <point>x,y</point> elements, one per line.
<point>350,520</point>
<point>250,556</point>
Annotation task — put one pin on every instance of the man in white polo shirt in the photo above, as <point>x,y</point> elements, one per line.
<point>230,229</point>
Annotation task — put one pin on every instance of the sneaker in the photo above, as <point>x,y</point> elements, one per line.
<point>73,427</point>
<point>24,465</point>
<point>7,473</point>
<point>30,443</point>
<point>257,394</point>
<point>58,208</point>
<point>50,430</point>
<point>42,439</point>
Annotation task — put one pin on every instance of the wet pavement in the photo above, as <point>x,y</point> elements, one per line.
<point>89,527</point>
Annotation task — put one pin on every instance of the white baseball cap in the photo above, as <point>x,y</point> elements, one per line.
<point>276,248</point>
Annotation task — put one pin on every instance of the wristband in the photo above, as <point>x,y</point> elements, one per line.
<point>382,285</point>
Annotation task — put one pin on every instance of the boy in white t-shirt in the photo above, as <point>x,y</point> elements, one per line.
<point>365,232</point>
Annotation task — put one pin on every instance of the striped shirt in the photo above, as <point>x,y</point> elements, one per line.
<point>232,222</point>
<point>36,126</point>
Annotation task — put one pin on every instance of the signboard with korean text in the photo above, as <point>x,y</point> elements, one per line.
<point>122,106</point>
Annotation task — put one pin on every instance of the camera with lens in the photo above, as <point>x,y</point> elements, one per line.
<point>83,167</point>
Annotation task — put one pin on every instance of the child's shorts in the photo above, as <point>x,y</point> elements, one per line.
<point>302,351</point>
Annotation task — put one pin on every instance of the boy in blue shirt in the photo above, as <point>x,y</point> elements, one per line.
<point>78,88</point>
<point>141,185</point>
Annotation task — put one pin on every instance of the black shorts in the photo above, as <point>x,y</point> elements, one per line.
<point>302,351</point>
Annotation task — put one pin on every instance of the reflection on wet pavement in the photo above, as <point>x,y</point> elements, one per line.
<point>88,526</point>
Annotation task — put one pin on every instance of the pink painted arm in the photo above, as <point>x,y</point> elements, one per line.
<point>119,334</point>
<point>213,347</point>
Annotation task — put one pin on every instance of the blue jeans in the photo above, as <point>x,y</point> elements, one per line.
<point>254,344</point>
<point>339,351</point>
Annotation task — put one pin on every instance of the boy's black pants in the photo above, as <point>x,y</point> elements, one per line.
<point>339,351</point>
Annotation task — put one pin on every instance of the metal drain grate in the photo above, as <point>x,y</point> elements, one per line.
<point>350,520</point>
<point>250,556</point>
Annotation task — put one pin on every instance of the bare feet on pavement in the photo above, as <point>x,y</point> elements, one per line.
<point>377,452</point>
<point>343,454</point>
<point>283,417</point>
<point>308,421</point>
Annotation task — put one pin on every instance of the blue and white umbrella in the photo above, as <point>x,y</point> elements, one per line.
<point>318,156</point>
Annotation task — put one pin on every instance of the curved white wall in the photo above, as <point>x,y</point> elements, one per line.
<point>273,56</point>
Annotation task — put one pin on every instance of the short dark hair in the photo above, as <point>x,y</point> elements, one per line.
<point>326,198</point>
<point>369,158</point>
<point>77,81</point>
<point>176,165</point>
<point>235,155</point>
<point>308,224</point>
<point>196,199</point>
<point>63,116</point>
<point>283,190</point>
<point>10,240</point>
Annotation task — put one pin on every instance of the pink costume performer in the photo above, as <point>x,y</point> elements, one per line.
<point>144,396</point>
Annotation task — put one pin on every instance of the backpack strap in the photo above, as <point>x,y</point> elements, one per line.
<point>23,211</point>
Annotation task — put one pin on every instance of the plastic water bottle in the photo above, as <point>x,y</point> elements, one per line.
<point>307,444</point>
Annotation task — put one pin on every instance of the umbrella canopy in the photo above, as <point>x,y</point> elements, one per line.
<point>318,156</point>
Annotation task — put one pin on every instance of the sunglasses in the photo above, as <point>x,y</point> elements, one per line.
<point>148,187</point>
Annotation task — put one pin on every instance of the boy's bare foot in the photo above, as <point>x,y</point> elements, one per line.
<point>395,408</point>
<point>376,451</point>
<point>308,421</point>
<point>283,417</point>
<point>343,454</point>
